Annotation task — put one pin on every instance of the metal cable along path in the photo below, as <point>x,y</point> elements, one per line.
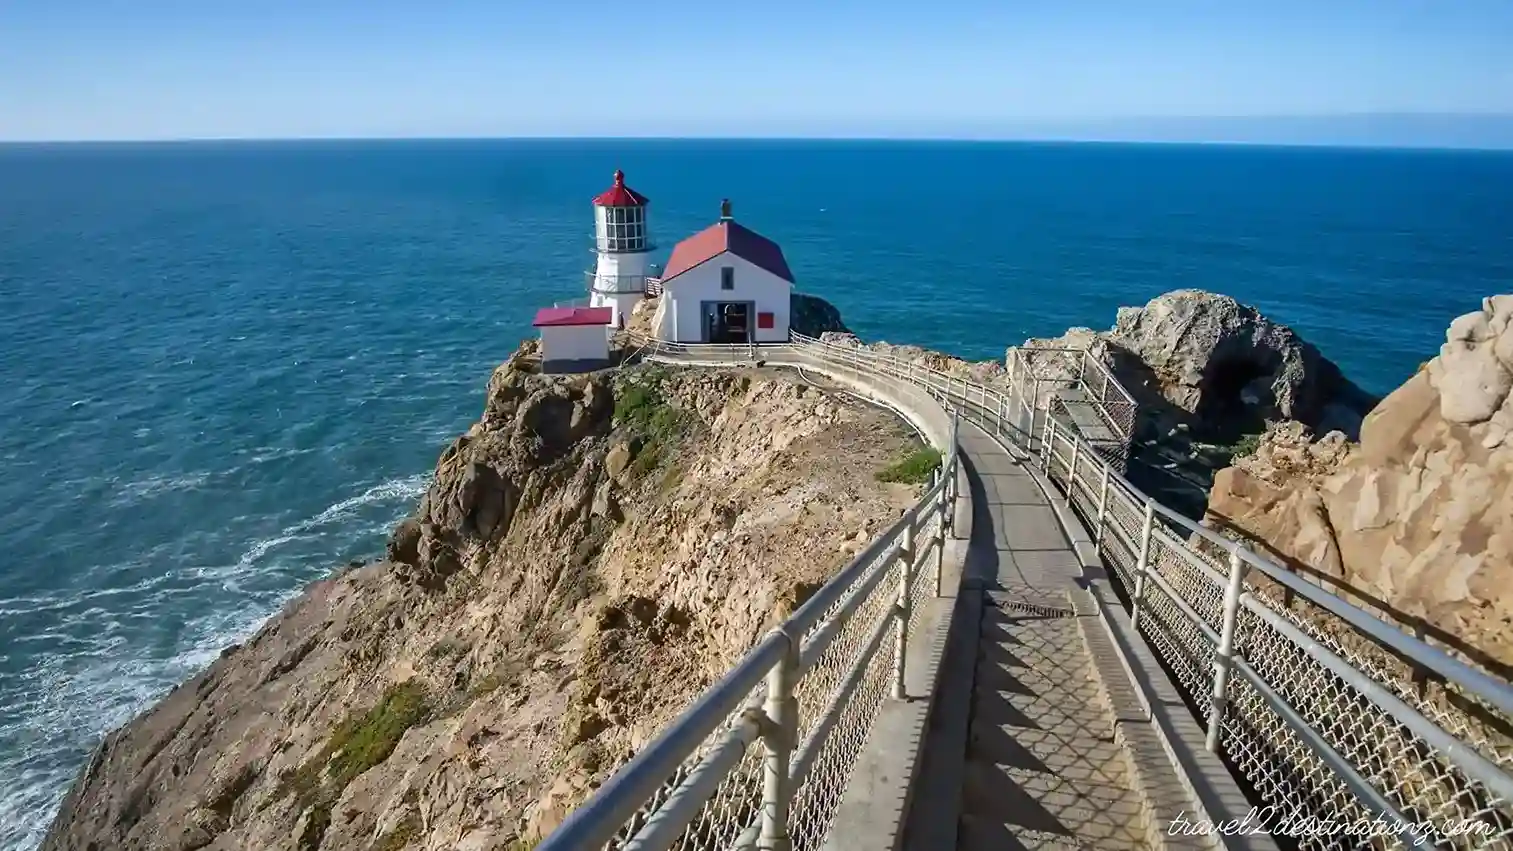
<point>1322,708</point>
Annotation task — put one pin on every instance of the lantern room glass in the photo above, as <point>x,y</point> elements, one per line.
<point>622,229</point>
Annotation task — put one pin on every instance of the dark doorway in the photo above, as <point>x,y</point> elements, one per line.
<point>727,321</point>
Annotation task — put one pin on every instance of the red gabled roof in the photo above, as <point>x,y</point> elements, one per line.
<point>721,237</point>
<point>555,316</point>
<point>620,195</point>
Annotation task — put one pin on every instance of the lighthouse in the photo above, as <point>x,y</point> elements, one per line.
<point>618,281</point>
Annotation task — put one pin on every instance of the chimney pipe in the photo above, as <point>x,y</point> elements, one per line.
<point>725,210</point>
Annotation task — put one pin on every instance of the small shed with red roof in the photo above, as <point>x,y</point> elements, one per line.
<point>574,339</point>
<point>725,284</point>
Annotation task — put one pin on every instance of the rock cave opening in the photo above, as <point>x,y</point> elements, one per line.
<point>1236,396</point>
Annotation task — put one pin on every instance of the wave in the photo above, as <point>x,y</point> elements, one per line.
<point>409,487</point>
<point>103,667</point>
<point>156,485</point>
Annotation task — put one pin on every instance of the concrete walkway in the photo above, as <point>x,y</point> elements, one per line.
<point>1031,749</point>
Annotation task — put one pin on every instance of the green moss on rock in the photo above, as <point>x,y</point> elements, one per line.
<point>357,744</point>
<point>914,469</point>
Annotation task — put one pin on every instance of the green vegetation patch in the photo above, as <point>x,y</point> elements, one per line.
<point>915,469</point>
<point>643,411</point>
<point>356,745</point>
<point>1246,446</point>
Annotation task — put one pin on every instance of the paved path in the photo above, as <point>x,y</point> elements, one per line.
<point>1040,767</point>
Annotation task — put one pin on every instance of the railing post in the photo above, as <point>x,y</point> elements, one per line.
<point>782,710</point>
<point>948,505</point>
<point>1224,654</point>
<point>940,536</point>
<point>1102,511</point>
<point>1047,449</point>
<point>947,502</point>
<point>1143,563</point>
<point>1071,470</point>
<point>901,608</point>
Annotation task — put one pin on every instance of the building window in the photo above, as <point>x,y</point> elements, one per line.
<point>727,277</point>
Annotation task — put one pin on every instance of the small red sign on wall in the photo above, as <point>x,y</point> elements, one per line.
<point>764,320</point>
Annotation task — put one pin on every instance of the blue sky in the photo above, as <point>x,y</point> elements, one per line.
<point>152,69</point>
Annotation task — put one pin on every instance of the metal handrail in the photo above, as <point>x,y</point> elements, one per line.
<point>1486,788</point>
<point>617,284</point>
<point>1496,692</point>
<point>652,801</point>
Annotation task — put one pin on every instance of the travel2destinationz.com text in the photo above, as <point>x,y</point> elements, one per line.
<point>1274,821</point>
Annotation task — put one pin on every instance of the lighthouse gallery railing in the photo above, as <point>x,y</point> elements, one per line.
<point>1331,716</point>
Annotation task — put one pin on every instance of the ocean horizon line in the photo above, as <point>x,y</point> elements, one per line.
<point>1502,148</point>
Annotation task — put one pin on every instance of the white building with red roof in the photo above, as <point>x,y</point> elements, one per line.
<point>725,284</point>
<point>574,339</point>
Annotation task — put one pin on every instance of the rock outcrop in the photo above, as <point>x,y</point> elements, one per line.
<point>1232,369</point>
<point>812,316</point>
<point>1418,518</point>
<point>1208,374</point>
<point>590,555</point>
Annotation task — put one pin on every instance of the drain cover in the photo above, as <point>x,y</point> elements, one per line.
<point>1034,610</point>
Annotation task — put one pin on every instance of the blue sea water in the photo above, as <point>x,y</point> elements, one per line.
<point>227,368</point>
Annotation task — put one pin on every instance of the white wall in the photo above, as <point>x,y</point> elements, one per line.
<point>611,265</point>
<point>574,342</point>
<point>621,305</point>
<point>685,293</point>
<point>622,264</point>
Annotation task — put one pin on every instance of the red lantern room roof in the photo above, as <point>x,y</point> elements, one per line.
<point>620,195</point>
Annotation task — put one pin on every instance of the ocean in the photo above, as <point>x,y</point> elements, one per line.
<point>227,368</point>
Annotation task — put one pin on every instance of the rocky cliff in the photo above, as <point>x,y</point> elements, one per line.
<point>1207,374</point>
<point>590,555</point>
<point>1416,519</point>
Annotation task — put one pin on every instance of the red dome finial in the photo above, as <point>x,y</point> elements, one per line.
<point>620,195</point>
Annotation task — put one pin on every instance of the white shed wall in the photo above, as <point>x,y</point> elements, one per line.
<point>574,342</point>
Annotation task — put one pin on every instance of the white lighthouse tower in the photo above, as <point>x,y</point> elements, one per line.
<point>619,280</point>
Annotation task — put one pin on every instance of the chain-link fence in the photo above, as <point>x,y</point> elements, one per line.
<point>1355,734</point>
<point>1075,387</point>
<point>1345,726</point>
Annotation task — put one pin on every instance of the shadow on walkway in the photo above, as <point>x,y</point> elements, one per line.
<point>1041,768</point>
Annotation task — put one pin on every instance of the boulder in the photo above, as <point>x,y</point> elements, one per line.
<point>618,459</point>
<point>1205,372</point>
<point>812,316</point>
<point>1419,516</point>
<point>1224,367</point>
